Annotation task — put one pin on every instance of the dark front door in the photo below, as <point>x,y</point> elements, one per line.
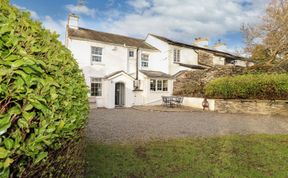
<point>119,94</point>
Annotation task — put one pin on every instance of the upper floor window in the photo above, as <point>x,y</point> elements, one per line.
<point>96,87</point>
<point>176,58</point>
<point>96,54</point>
<point>144,60</point>
<point>131,53</point>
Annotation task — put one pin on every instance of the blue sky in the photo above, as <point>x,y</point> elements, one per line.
<point>179,20</point>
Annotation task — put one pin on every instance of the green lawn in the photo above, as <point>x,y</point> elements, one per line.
<point>228,156</point>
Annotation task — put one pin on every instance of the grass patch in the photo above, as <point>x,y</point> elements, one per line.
<point>227,156</point>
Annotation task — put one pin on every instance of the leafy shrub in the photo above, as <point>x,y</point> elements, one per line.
<point>249,86</point>
<point>43,96</point>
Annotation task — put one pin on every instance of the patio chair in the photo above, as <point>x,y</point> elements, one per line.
<point>164,101</point>
<point>179,101</point>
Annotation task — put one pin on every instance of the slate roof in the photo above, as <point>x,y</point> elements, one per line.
<point>216,52</point>
<point>193,66</point>
<point>115,73</point>
<point>155,74</point>
<point>108,38</point>
<point>180,73</point>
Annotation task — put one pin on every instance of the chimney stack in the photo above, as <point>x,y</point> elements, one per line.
<point>73,21</point>
<point>201,42</point>
<point>219,46</point>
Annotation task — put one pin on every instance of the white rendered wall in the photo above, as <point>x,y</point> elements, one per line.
<point>139,98</point>
<point>110,91</point>
<point>100,100</point>
<point>240,63</point>
<point>197,103</point>
<point>187,56</point>
<point>159,60</point>
<point>114,58</point>
<point>218,60</point>
<point>156,62</point>
<point>155,97</point>
<point>167,65</point>
<point>131,61</point>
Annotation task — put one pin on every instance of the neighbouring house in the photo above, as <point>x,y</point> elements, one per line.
<point>125,71</point>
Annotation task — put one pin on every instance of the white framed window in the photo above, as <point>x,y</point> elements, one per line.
<point>176,55</point>
<point>165,85</point>
<point>96,54</point>
<point>96,86</point>
<point>153,85</point>
<point>158,85</point>
<point>131,53</point>
<point>144,60</point>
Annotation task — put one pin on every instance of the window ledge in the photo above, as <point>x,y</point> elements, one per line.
<point>135,90</point>
<point>97,97</point>
<point>159,91</point>
<point>97,64</point>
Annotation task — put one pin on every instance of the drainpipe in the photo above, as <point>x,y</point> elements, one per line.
<point>137,65</point>
<point>137,82</point>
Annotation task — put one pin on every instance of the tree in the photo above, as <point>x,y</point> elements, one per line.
<point>260,53</point>
<point>271,35</point>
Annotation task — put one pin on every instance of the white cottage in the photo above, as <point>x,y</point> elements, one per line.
<point>123,71</point>
<point>119,70</point>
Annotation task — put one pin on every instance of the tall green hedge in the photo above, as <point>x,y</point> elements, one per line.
<point>43,96</point>
<point>249,86</point>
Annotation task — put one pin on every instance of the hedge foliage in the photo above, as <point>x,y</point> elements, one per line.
<point>43,96</point>
<point>249,86</point>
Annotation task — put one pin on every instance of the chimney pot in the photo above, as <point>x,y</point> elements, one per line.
<point>201,42</point>
<point>220,46</point>
<point>73,21</point>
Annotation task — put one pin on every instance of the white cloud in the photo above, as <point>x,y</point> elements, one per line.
<point>81,10</point>
<point>180,20</point>
<point>34,14</point>
<point>139,4</point>
<point>57,26</point>
<point>110,3</point>
<point>184,20</point>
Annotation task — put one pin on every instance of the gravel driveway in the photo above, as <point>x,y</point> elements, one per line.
<point>127,125</point>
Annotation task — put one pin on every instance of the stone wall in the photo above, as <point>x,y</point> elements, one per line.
<point>205,58</point>
<point>192,83</point>
<point>265,107</point>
